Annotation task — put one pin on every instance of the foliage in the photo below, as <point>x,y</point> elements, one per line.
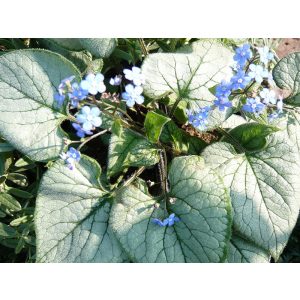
<point>148,150</point>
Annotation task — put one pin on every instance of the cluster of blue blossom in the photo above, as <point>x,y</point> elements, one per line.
<point>245,73</point>
<point>169,221</point>
<point>133,92</point>
<point>71,157</point>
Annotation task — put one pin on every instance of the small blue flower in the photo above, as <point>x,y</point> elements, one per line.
<point>117,80</point>
<point>59,99</point>
<point>134,75</point>
<point>222,103</point>
<point>258,73</point>
<point>265,55</point>
<point>77,94</point>
<point>242,54</point>
<point>239,80</point>
<point>273,116</point>
<point>268,96</point>
<point>93,83</point>
<point>223,89</point>
<point>253,105</point>
<point>166,222</point>
<point>80,132</point>
<point>133,95</point>
<point>89,118</point>
<point>199,118</point>
<point>65,84</point>
<point>63,88</point>
<point>71,157</point>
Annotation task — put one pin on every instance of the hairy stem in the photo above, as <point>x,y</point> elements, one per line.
<point>92,137</point>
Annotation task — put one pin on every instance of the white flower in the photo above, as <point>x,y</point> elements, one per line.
<point>269,96</point>
<point>134,75</point>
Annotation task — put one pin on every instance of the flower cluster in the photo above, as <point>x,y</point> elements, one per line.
<point>246,73</point>
<point>88,118</point>
<point>133,92</point>
<point>199,118</point>
<point>166,222</point>
<point>71,157</point>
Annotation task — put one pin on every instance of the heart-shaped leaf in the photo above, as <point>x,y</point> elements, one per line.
<point>154,123</point>
<point>243,251</point>
<point>264,189</point>
<point>30,119</point>
<point>287,75</point>
<point>72,215</point>
<point>98,47</point>
<point>130,150</point>
<point>190,75</point>
<point>201,203</point>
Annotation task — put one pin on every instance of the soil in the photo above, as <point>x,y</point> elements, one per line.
<point>287,46</point>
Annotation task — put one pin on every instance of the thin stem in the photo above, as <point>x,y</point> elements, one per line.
<point>92,137</point>
<point>232,139</point>
<point>175,106</point>
<point>143,47</point>
<point>162,169</point>
<point>134,176</point>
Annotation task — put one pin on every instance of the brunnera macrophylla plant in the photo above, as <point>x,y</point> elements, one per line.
<point>202,152</point>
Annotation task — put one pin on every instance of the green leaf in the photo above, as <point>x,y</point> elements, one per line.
<point>5,147</point>
<point>29,118</point>
<point>6,231</point>
<point>116,127</point>
<point>72,216</point>
<point>20,193</point>
<point>252,136</point>
<point>180,140</point>
<point>9,202</point>
<point>154,123</point>
<point>18,179</point>
<point>287,75</point>
<point>98,47</point>
<point>130,150</point>
<point>264,189</point>
<point>243,251</point>
<point>202,204</point>
<point>82,59</point>
<point>190,75</point>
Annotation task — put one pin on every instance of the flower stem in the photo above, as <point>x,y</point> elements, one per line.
<point>232,139</point>
<point>92,137</point>
<point>175,106</point>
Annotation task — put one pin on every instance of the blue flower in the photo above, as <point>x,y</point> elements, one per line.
<point>199,117</point>
<point>133,95</point>
<point>222,103</point>
<point>273,116</point>
<point>71,157</point>
<point>253,105</point>
<point>242,54</point>
<point>239,80</point>
<point>89,118</point>
<point>117,80</point>
<point>93,83</point>
<point>60,98</point>
<point>77,94</point>
<point>265,55</point>
<point>63,88</point>
<point>134,75</point>
<point>80,132</point>
<point>268,96</point>
<point>223,89</point>
<point>257,72</point>
<point>166,222</point>
<point>65,84</point>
